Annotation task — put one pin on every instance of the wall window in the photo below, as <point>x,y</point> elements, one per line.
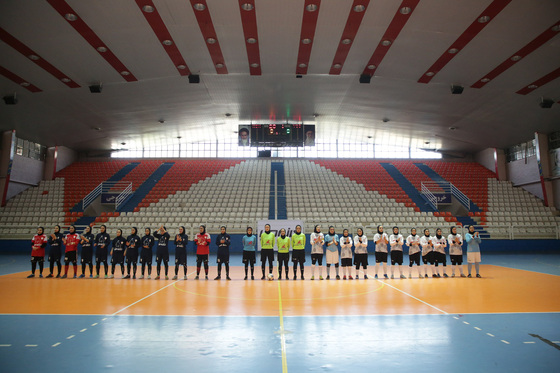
<point>30,149</point>
<point>521,151</point>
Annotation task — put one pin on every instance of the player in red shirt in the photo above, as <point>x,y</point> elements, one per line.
<point>38,244</point>
<point>71,241</point>
<point>202,241</point>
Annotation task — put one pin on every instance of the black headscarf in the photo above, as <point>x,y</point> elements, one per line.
<point>397,228</point>
<point>360,235</point>
<point>72,226</point>
<point>183,228</point>
<point>438,235</point>
<point>57,226</point>
<point>104,228</point>
<point>267,225</point>
<point>42,230</point>
<point>135,230</point>
<point>427,235</point>
<point>413,234</point>
<point>345,231</point>
<point>283,235</point>
<point>378,231</point>
<point>315,229</point>
<point>333,233</point>
<point>149,231</point>
<point>203,229</point>
<point>451,230</point>
<point>299,229</point>
<point>119,231</point>
<point>247,231</point>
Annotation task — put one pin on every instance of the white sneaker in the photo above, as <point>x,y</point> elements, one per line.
<point>184,278</point>
<point>112,276</point>
<point>141,277</point>
<point>149,277</point>
<point>175,277</point>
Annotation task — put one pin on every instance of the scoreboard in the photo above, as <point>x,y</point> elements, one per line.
<point>277,135</point>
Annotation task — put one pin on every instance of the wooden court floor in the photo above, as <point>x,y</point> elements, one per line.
<point>331,325</point>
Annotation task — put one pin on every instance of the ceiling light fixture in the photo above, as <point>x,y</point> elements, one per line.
<point>148,8</point>
<point>254,65</point>
<point>405,10</point>
<point>302,65</point>
<point>199,6</point>
<point>24,84</point>
<point>70,17</point>
<point>371,67</point>
<point>485,80</point>
<point>65,80</point>
<point>311,7</point>
<point>532,86</point>
<point>251,40</point>
<point>555,28</point>
<point>101,49</point>
<point>167,42</point>
<point>453,50</point>
<point>125,73</point>
<point>484,19</point>
<point>211,41</point>
<point>219,65</point>
<point>346,41</point>
<point>181,67</point>
<point>306,41</point>
<point>359,8</point>
<point>515,58</point>
<point>386,43</point>
<point>33,57</point>
<point>247,6</point>
<point>430,73</point>
<point>337,66</point>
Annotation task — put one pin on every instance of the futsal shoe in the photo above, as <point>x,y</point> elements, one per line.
<point>350,277</point>
<point>365,277</point>
<point>426,275</point>
<point>445,275</point>
<point>157,277</point>
<point>58,276</point>
<point>328,277</point>
<point>375,277</point>
<point>50,275</point>
<point>82,275</point>
<point>206,277</point>
<point>245,278</point>
<point>262,278</point>
<point>387,277</point>
<point>409,276</point>
<point>469,276</point>
<point>295,277</point>
<point>185,278</point>
<point>358,277</point>
<point>252,277</point>
<point>134,277</point>
<point>40,276</point>
<point>64,276</point>
<point>75,276</point>
<point>279,277</point>
<point>112,276</point>
<point>344,278</point>
<point>392,277</point>
<point>303,278</point>
<point>403,276</point>
<point>312,278</point>
<point>31,276</point>
<point>434,275</point>
<point>141,277</point>
<point>174,277</point>
<point>320,277</point>
<point>126,277</point>
<point>463,275</point>
<point>196,277</point>
<point>452,275</point>
<point>479,276</point>
<point>106,276</point>
<point>90,276</point>
<point>167,277</point>
<point>149,277</point>
<point>218,278</point>
<point>228,278</point>
<point>337,277</point>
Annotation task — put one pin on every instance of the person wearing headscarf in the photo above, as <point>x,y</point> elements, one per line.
<point>55,252</point>
<point>317,241</point>
<point>181,240</point>
<point>381,240</point>
<point>146,254</point>
<point>133,242</point>
<point>360,252</point>
<point>202,240</point>
<point>440,243</point>
<point>102,242</point>
<point>298,251</point>
<point>473,250</point>
<point>413,243</point>
<point>427,244</point>
<point>396,241</point>
<point>162,251</point>
<point>267,250</point>
<point>455,251</point>
<point>118,252</point>
<point>331,243</point>
<point>223,240</point>
<point>86,240</point>
<point>38,244</point>
<point>283,245</point>
<point>249,242</point>
<point>71,241</point>
<point>346,253</point>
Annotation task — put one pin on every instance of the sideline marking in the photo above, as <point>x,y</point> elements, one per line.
<point>83,330</point>
<point>70,337</point>
<point>413,297</point>
<point>506,342</point>
<point>491,335</point>
<point>548,342</point>
<point>30,345</point>
<point>282,331</point>
<point>56,344</point>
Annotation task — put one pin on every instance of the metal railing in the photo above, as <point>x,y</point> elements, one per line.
<point>429,188</point>
<point>92,196</point>
<point>123,197</point>
<point>125,189</point>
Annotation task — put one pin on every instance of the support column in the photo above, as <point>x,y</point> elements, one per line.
<point>6,160</point>
<point>543,163</point>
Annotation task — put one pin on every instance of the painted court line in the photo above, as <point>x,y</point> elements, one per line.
<point>491,335</point>
<point>5,345</point>
<point>56,344</point>
<point>70,337</point>
<point>506,342</point>
<point>94,324</point>
<point>83,330</point>
<point>477,328</point>
<point>529,343</point>
<point>282,332</point>
<point>30,345</point>
<point>466,323</point>
<point>413,297</point>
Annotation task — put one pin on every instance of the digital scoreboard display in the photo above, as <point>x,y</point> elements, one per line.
<point>277,135</point>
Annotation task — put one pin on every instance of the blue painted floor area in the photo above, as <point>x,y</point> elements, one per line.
<point>543,263</point>
<point>416,343</point>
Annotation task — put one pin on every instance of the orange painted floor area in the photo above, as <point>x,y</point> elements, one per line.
<point>501,290</point>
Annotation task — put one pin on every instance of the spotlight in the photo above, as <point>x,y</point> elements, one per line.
<point>545,103</point>
<point>456,89</point>
<point>194,79</point>
<point>10,100</point>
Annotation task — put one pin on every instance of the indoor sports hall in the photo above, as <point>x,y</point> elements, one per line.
<point>415,143</point>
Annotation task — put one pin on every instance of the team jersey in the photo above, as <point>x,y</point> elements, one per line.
<point>396,242</point>
<point>102,239</point>
<point>267,240</point>
<point>413,243</point>
<point>87,240</point>
<point>332,242</point>
<point>298,241</point>
<point>249,242</point>
<point>133,241</point>
<point>202,243</point>
<point>38,243</point>
<point>181,241</point>
<point>227,241</point>
<point>440,244</point>
<point>380,247</point>
<point>119,243</point>
<point>163,239</point>
<point>72,240</point>
<point>346,247</point>
<point>473,243</point>
<point>454,247</point>
<point>317,241</point>
<point>360,244</point>
<point>148,242</point>
<point>57,240</point>
<point>426,243</point>
<point>283,244</point>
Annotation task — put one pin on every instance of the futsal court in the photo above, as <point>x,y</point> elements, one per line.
<point>507,320</point>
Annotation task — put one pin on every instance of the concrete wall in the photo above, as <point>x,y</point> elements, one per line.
<point>525,173</point>
<point>26,172</point>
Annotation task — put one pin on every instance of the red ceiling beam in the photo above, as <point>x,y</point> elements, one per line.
<point>162,33</point>
<point>537,42</point>
<point>18,80</point>
<point>398,22</point>
<point>469,34</point>
<point>348,35</point>
<point>91,37</point>
<point>308,26</point>
<point>251,35</point>
<point>36,58</point>
<point>540,82</point>
<point>206,25</point>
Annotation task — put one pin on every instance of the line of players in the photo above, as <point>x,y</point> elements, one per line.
<point>426,249</point>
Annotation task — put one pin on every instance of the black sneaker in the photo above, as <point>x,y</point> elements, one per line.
<point>126,277</point>
<point>328,277</point>
<point>31,276</point>
<point>218,277</point>
<point>469,276</point>
<point>245,278</point>
<point>228,278</point>
<point>50,275</point>
<point>337,277</point>
<point>252,277</point>
<point>479,276</point>
<point>262,278</point>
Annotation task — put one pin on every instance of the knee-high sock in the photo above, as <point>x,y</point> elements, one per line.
<point>166,265</point>
<point>33,267</point>
<point>227,269</point>
<point>219,269</point>
<point>41,268</point>
<point>477,267</point>
<point>206,268</point>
